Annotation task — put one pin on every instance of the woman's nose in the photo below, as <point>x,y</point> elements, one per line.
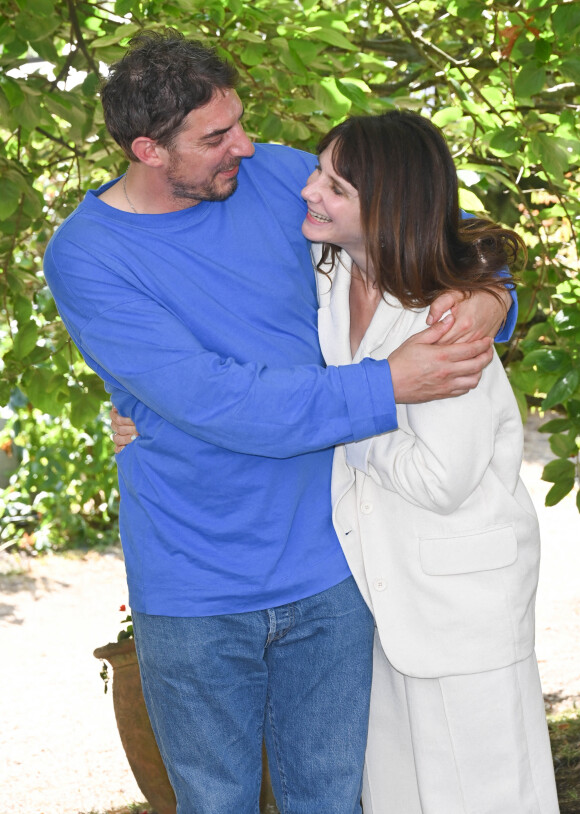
<point>310,192</point>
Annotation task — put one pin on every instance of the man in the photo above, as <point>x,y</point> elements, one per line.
<point>188,287</point>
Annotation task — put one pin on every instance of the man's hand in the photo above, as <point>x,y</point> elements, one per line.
<point>124,431</point>
<point>476,316</point>
<point>424,369</point>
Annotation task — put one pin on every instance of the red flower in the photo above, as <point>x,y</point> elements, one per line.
<point>123,608</point>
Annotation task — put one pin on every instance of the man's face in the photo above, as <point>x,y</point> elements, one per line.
<point>205,155</point>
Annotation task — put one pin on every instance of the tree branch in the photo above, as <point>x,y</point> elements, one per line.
<point>79,36</point>
<point>74,150</point>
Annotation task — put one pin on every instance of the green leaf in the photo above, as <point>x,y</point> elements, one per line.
<point>524,380</point>
<point>330,100</point>
<point>570,68</point>
<point>566,18</point>
<point>248,36</point>
<point>252,54</point>
<point>527,304</point>
<point>332,37</point>
<point>529,81</point>
<point>25,340</point>
<point>121,32</point>
<point>302,106</point>
<point>305,50</point>
<point>564,446</point>
<point>551,155</point>
<point>22,309</point>
<point>506,141</point>
<point>354,92</point>
<point>447,115</point>
<point>32,27</point>
<point>555,425</point>
<point>295,131</point>
<point>564,389</point>
<point>85,407</point>
<point>12,91</point>
<point>271,127</point>
<point>558,470</point>
<point>90,85</point>
<point>567,321</point>
<point>558,492</point>
<point>28,114</point>
<point>123,7</point>
<point>549,359</point>
<point>469,202</point>
<point>521,401</point>
<point>542,50</point>
<point>66,109</point>
<point>42,386</point>
<point>9,197</point>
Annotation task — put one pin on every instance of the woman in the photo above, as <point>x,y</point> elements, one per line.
<point>437,527</point>
<point>439,531</point>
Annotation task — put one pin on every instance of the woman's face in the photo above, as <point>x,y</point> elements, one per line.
<point>333,208</point>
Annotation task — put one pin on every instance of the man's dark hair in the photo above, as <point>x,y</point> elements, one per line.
<point>162,77</point>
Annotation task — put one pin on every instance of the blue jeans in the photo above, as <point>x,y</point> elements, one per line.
<point>298,674</point>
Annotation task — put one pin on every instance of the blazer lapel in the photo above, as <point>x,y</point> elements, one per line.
<point>389,325</point>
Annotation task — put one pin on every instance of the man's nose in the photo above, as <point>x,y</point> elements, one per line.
<point>241,144</point>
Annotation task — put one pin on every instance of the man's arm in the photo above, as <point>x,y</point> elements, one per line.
<point>478,315</point>
<point>144,352</point>
<point>137,345</point>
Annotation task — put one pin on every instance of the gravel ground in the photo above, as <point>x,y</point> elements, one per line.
<point>59,748</point>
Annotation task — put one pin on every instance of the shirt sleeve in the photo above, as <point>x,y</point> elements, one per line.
<point>135,343</point>
<point>509,325</point>
<point>507,329</point>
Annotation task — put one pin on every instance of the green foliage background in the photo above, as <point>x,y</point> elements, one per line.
<point>502,79</point>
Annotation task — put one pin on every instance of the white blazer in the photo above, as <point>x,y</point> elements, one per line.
<point>437,527</point>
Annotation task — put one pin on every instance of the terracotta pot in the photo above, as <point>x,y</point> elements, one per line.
<point>137,736</point>
<point>134,726</point>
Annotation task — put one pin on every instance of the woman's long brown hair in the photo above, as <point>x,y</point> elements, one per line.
<point>416,240</point>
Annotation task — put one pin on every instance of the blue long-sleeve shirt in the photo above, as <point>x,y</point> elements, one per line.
<point>202,324</point>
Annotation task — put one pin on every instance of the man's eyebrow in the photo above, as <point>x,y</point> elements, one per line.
<point>214,133</point>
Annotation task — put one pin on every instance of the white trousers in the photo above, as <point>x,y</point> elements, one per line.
<point>469,744</point>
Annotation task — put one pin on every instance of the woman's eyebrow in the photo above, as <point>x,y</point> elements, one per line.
<point>338,182</point>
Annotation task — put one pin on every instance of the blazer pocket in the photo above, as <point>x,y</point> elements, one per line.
<point>485,550</point>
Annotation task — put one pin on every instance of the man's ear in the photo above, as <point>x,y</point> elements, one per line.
<point>148,151</point>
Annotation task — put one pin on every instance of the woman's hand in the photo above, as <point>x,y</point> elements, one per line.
<point>476,316</point>
<point>124,431</point>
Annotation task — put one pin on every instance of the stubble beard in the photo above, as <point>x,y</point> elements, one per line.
<point>210,191</point>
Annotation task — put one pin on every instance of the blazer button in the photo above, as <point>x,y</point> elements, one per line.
<point>366,508</point>
<point>380,584</point>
